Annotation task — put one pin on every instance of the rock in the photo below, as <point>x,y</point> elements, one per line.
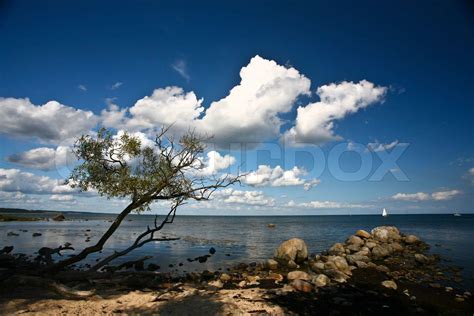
<point>395,247</point>
<point>317,266</point>
<point>370,244</point>
<point>59,218</point>
<point>152,267</point>
<point>337,249</point>
<point>271,225</point>
<point>383,268</point>
<point>252,279</point>
<point>352,259</point>
<point>291,264</point>
<point>6,250</point>
<point>242,284</point>
<point>421,258</point>
<point>320,280</point>
<point>275,276</point>
<point>224,277</point>
<point>363,252</point>
<point>354,240</point>
<point>217,283</point>
<point>389,284</point>
<point>411,239</point>
<point>301,286</point>
<point>362,234</point>
<point>298,275</point>
<point>337,275</point>
<point>386,233</point>
<point>294,249</point>
<point>340,264</point>
<point>36,234</point>
<point>380,251</point>
<point>353,247</point>
<point>13,234</point>
<point>272,264</point>
<point>212,250</point>
<point>361,264</point>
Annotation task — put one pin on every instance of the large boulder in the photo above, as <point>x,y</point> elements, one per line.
<point>59,218</point>
<point>411,239</point>
<point>386,233</point>
<point>354,240</point>
<point>294,250</point>
<point>340,264</point>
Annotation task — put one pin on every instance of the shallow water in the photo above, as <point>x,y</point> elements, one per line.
<point>242,239</point>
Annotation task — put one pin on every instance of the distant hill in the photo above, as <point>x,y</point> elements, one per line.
<point>21,210</point>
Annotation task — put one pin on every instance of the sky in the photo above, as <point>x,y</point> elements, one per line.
<point>326,107</point>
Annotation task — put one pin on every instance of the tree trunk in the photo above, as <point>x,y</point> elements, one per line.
<point>98,246</point>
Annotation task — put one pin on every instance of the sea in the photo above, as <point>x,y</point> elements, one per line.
<point>239,239</point>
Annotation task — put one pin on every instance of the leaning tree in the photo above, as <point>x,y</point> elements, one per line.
<point>120,166</point>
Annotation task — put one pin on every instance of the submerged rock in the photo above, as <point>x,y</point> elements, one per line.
<point>294,250</point>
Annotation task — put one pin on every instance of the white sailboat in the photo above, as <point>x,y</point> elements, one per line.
<point>384,213</point>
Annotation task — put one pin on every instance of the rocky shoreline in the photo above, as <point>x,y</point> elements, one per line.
<point>378,272</point>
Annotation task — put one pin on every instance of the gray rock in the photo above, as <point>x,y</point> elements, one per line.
<point>353,247</point>
<point>370,244</point>
<point>421,258</point>
<point>340,263</point>
<point>381,251</point>
<point>395,247</point>
<point>337,275</point>
<point>298,275</point>
<point>361,264</point>
<point>317,266</point>
<point>352,259</point>
<point>386,233</point>
<point>294,249</point>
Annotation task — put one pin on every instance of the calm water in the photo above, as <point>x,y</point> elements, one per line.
<point>244,239</point>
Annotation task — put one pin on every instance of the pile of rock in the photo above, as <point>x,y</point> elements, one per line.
<point>361,250</point>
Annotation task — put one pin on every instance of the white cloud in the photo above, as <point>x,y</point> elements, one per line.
<point>62,198</point>
<point>470,175</point>
<point>377,146</point>
<point>315,122</point>
<point>116,85</point>
<point>14,180</point>
<point>52,122</point>
<point>233,196</point>
<point>278,177</point>
<point>324,205</point>
<point>43,158</point>
<point>180,67</point>
<point>16,198</point>
<point>215,162</point>
<point>422,196</point>
<point>250,112</point>
<point>82,87</point>
<point>445,195</point>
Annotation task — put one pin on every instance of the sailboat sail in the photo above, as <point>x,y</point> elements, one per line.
<point>384,213</point>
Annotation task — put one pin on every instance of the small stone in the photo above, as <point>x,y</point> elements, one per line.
<point>242,284</point>
<point>361,264</point>
<point>320,280</point>
<point>380,251</point>
<point>389,284</point>
<point>353,247</point>
<point>291,264</point>
<point>298,275</point>
<point>362,234</point>
<point>448,289</point>
<point>337,275</point>
<point>212,250</point>
<point>152,267</point>
<point>317,266</point>
<point>301,286</point>
<point>370,244</point>
<point>224,277</point>
<point>467,293</point>
<point>272,264</point>
<point>459,299</point>
<point>217,283</point>
<point>275,276</point>
<point>36,234</point>
<point>337,249</point>
<point>383,268</point>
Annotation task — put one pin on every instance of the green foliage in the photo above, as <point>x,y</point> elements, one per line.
<point>119,166</point>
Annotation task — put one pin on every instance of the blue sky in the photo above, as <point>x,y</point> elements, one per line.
<point>86,55</point>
